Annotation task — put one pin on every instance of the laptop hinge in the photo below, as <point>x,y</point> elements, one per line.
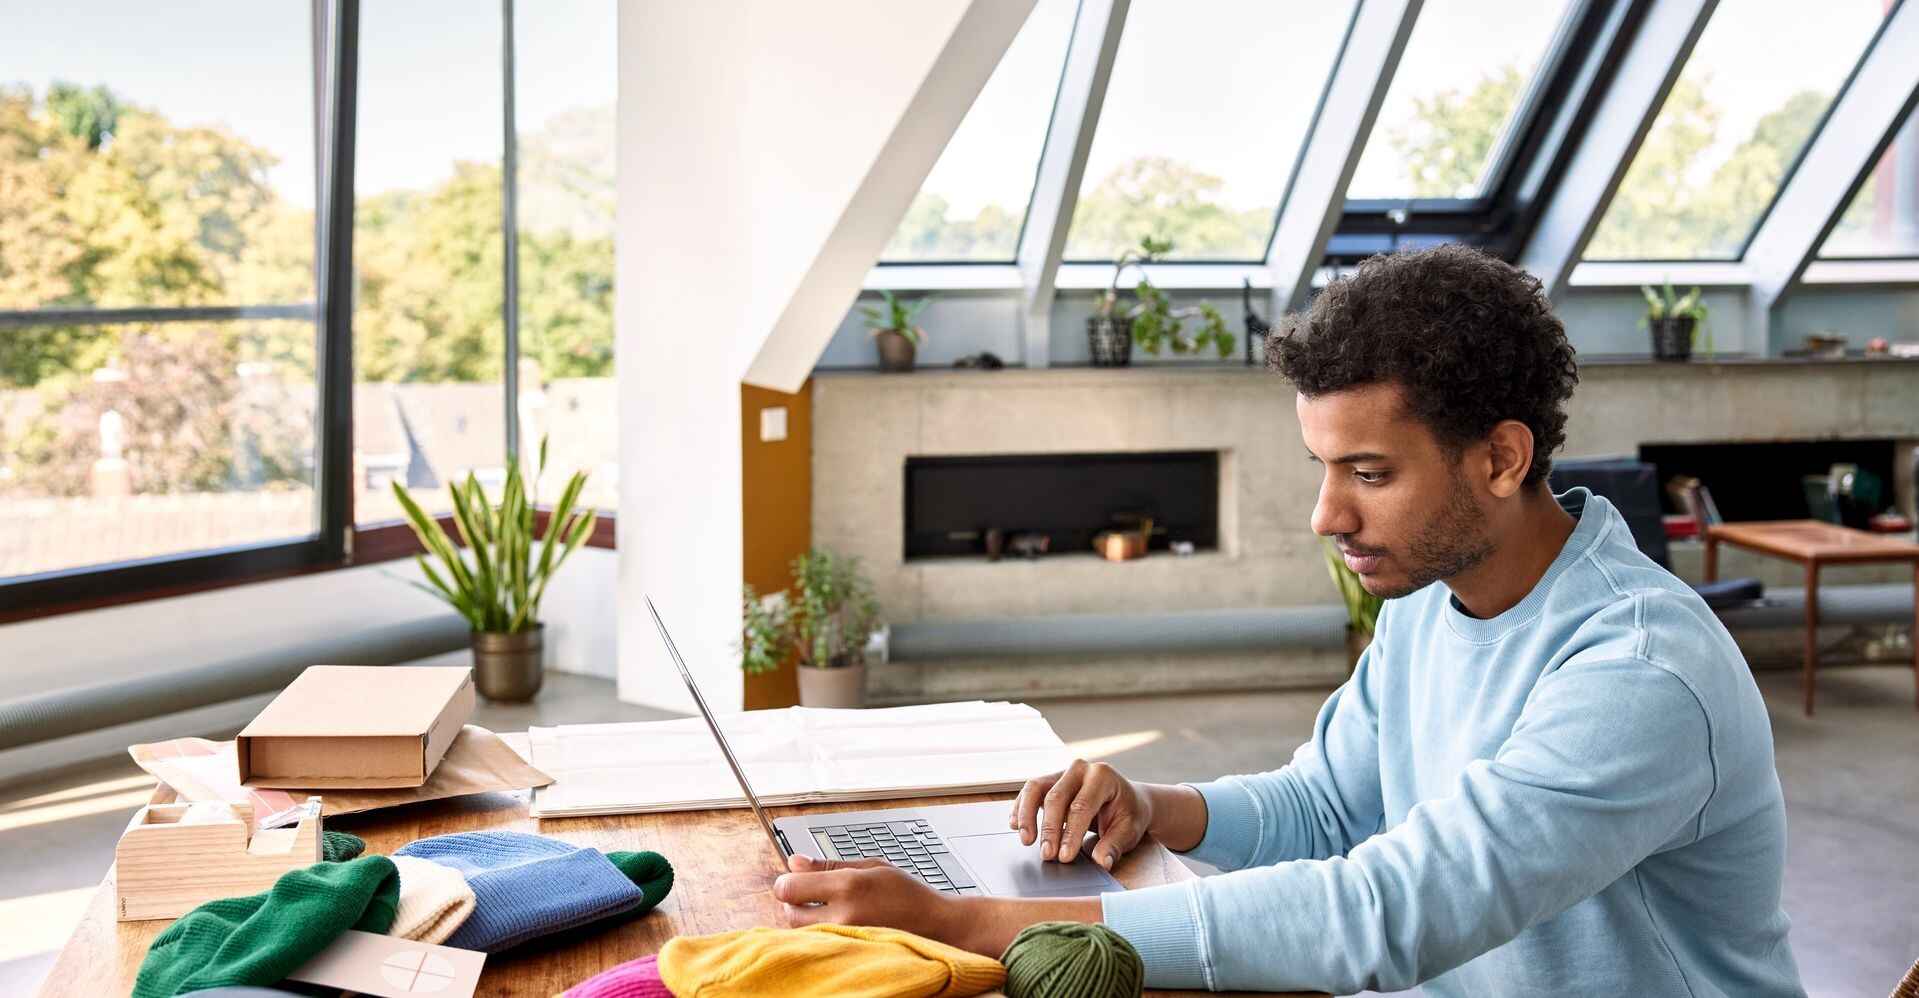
<point>781,834</point>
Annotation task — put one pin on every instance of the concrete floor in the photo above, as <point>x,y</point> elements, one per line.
<point>1851,780</point>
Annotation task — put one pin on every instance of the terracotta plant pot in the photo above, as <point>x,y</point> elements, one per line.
<point>844,686</point>
<point>1672,337</point>
<point>509,666</point>
<point>896,351</point>
<point>1356,642</point>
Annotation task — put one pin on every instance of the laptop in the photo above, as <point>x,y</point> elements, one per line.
<point>953,848</point>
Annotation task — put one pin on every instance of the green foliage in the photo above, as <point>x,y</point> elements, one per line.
<point>1156,323</point>
<point>189,422</point>
<point>1668,304</point>
<point>1171,201</point>
<point>89,115</point>
<point>499,587</point>
<point>898,317</point>
<point>1448,144</point>
<point>824,621</point>
<point>1362,607</point>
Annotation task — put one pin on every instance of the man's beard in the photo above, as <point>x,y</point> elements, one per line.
<point>1453,541</point>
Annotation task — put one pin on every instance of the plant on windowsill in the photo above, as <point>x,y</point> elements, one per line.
<point>497,584</point>
<point>822,624</point>
<point>894,332</point>
<point>1362,607</point>
<point>1151,321</point>
<point>1676,322</point>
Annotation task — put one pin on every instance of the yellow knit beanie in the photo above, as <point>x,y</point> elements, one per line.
<point>832,961</point>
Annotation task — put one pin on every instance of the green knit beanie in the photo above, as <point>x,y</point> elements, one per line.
<point>1072,960</point>
<point>338,847</point>
<point>262,938</point>
<point>649,871</point>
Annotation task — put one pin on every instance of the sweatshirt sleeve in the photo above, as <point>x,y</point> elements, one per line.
<point>1323,803</point>
<point>1609,763</point>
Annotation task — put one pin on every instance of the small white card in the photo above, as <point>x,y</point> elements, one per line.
<point>393,968</point>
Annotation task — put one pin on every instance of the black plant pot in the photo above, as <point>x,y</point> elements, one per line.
<point>1672,337</point>
<point>896,351</point>
<point>1110,340</point>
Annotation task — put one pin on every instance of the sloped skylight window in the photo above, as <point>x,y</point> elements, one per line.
<point>1208,104</point>
<point>1456,97</point>
<point>1753,93</point>
<point>1883,218</point>
<point>974,202</point>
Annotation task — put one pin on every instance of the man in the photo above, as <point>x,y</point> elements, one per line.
<point>1551,773</point>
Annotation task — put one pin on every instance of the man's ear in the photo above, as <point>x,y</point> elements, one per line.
<point>1510,447</point>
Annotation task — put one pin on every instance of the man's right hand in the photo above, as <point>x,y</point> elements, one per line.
<point>1058,810</point>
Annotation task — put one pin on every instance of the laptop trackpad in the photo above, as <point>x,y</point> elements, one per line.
<point>1009,869</point>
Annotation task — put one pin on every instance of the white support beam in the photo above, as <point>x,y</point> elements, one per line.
<point>1062,165</point>
<point>1316,195</point>
<point>1655,54</point>
<point>1872,106</point>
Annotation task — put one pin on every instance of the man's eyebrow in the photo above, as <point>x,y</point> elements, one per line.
<point>1354,458</point>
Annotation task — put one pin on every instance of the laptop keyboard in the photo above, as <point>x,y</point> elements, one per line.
<point>910,845</point>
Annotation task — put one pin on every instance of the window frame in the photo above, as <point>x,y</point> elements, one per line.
<point>1501,219</point>
<point>337,541</point>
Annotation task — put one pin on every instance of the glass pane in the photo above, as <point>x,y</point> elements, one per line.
<point>973,203</point>
<point>1758,83</point>
<point>1883,218</point>
<point>564,73</point>
<point>1208,104</point>
<point>173,438</point>
<point>125,181</point>
<point>429,339</point>
<point>1453,98</point>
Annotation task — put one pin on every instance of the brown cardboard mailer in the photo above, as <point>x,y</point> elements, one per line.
<point>348,726</point>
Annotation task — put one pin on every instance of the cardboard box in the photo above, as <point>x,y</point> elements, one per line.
<point>348,726</point>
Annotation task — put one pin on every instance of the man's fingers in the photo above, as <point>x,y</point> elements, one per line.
<point>1117,837</point>
<point>798,915</point>
<point>1026,808</point>
<point>1093,794</point>
<point>803,863</point>
<point>1054,807</point>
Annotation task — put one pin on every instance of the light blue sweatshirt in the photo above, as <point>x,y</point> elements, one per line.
<point>1576,797</point>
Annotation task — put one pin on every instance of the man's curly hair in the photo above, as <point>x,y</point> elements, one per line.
<point>1470,339</point>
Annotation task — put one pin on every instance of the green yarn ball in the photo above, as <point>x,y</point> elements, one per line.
<point>1072,960</point>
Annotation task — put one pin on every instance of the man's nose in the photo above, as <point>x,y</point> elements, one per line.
<point>1332,514</point>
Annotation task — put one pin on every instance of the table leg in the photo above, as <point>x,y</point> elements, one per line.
<point>1812,631</point>
<point>1712,554</point>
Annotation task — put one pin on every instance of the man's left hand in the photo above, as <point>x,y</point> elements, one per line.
<point>868,892</point>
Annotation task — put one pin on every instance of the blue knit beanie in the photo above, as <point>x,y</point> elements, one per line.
<point>527,886</point>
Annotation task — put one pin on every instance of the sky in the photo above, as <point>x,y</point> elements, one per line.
<point>1227,86</point>
<point>430,87</point>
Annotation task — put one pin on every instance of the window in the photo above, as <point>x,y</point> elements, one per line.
<point>428,249</point>
<point>565,64</point>
<point>157,325</point>
<point>1202,125</point>
<point>972,205</point>
<point>1883,218</point>
<point>1753,93</point>
<point>1456,99</point>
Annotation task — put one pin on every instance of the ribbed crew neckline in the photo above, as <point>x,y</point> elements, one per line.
<point>1593,513</point>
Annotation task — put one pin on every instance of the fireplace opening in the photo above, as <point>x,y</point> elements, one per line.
<point>1766,481</point>
<point>953,504</point>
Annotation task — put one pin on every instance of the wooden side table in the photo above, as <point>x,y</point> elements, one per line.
<point>1814,544</point>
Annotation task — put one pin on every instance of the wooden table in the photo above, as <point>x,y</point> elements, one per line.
<point>722,867</point>
<point>1815,544</point>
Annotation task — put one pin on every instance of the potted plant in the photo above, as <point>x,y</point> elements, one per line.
<point>1151,321</point>
<point>893,330</point>
<point>1362,607</point>
<point>1676,322</point>
<point>498,582</point>
<point>822,624</point>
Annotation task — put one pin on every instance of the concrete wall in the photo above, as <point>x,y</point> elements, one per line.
<point>865,425</point>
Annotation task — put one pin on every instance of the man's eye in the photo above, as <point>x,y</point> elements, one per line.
<point>1370,477</point>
